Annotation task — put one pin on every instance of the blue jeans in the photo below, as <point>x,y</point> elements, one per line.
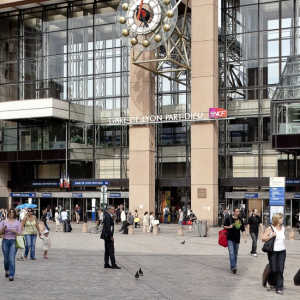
<point>233,249</point>
<point>277,262</point>
<point>30,243</point>
<point>45,223</point>
<point>254,237</point>
<point>165,219</point>
<point>9,252</point>
<point>180,223</point>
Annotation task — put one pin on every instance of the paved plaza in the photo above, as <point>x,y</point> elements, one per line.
<point>199,269</point>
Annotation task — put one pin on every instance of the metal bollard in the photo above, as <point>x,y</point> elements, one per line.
<point>84,225</point>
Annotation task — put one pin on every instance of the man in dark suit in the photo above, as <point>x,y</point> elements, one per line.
<point>108,236</point>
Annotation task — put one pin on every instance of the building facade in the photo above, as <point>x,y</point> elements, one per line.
<point>68,83</point>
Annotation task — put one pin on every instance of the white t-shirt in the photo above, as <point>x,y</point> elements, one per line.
<point>279,241</point>
<point>64,215</point>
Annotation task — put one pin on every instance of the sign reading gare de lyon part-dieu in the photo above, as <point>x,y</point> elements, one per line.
<point>214,113</point>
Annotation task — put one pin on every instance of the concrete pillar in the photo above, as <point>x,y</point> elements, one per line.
<point>204,95</point>
<point>141,141</point>
<point>155,230</point>
<point>180,230</point>
<point>130,230</point>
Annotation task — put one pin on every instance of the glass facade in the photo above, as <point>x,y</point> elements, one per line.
<point>70,51</point>
<point>258,38</point>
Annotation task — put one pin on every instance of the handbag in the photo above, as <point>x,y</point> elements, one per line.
<point>269,244</point>
<point>189,223</point>
<point>223,238</point>
<point>20,242</point>
<point>136,220</point>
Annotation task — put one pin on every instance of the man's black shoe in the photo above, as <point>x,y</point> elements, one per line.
<point>115,267</point>
<point>107,266</point>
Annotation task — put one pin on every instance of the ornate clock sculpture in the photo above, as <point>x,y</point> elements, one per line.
<point>146,24</point>
<point>153,24</point>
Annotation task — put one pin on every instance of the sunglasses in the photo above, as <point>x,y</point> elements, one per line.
<point>29,211</point>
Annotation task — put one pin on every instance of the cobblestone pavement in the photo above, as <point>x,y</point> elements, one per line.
<point>199,269</point>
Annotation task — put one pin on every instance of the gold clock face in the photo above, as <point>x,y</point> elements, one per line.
<point>141,24</point>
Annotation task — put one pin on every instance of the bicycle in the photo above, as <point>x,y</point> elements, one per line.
<point>96,229</point>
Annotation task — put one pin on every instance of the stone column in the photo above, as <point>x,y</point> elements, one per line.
<point>141,141</point>
<point>204,94</point>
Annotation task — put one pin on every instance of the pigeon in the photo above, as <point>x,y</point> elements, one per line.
<point>137,275</point>
<point>182,242</point>
<point>141,272</point>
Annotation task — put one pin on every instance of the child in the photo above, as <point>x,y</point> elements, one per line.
<point>46,243</point>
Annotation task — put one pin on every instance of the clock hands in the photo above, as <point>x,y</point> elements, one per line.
<point>144,20</point>
<point>140,10</point>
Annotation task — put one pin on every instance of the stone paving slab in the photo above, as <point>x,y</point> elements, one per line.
<point>199,269</point>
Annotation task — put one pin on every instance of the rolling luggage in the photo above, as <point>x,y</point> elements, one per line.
<point>68,227</point>
<point>297,278</point>
<point>265,277</point>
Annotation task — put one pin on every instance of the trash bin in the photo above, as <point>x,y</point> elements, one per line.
<point>202,228</point>
<point>196,228</point>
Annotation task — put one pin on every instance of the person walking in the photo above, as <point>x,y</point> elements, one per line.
<point>30,228</point>
<point>46,243</point>
<point>64,217</point>
<point>10,228</point>
<point>235,225</point>
<point>44,218</point>
<point>180,212</point>
<point>118,214</point>
<point>254,222</point>
<point>151,217</point>
<point>77,210</point>
<point>136,219</point>
<point>123,219</point>
<point>166,214</point>
<point>108,236</point>
<point>146,222</point>
<point>278,255</point>
<point>56,217</point>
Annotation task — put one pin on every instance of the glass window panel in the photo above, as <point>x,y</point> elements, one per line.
<point>9,72</point>
<point>269,16</point>
<point>270,71</point>
<point>8,92</point>
<point>297,42</point>
<point>248,2</point>
<point>287,14</point>
<point>247,19</point>
<point>81,111</point>
<point>56,42</point>
<point>297,13</point>
<point>32,23</point>
<point>81,39</point>
<point>287,42</point>
<point>105,14</point>
<point>269,44</point>
<point>245,165</point>
<point>82,16</point>
<point>242,130</point>
<point>9,49</point>
<point>247,46</point>
<point>32,46</point>
<point>57,66</point>
<point>9,27</point>
<point>9,139</point>
<point>56,20</point>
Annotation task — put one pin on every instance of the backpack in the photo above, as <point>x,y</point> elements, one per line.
<point>223,238</point>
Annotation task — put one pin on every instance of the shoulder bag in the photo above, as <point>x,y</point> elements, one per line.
<point>2,234</point>
<point>223,238</point>
<point>20,242</point>
<point>269,244</point>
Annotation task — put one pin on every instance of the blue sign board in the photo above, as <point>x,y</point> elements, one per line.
<point>297,196</point>
<point>292,181</point>
<point>28,195</point>
<point>46,194</point>
<point>91,182</point>
<point>115,195</point>
<point>36,183</point>
<point>251,195</point>
<point>277,196</point>
<point>76,195</point>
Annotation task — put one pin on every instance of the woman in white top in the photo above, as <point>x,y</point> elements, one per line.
<point>56,217</point>
<point>277,256</point>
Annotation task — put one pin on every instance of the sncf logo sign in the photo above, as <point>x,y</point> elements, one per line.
<point>215,113</point>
